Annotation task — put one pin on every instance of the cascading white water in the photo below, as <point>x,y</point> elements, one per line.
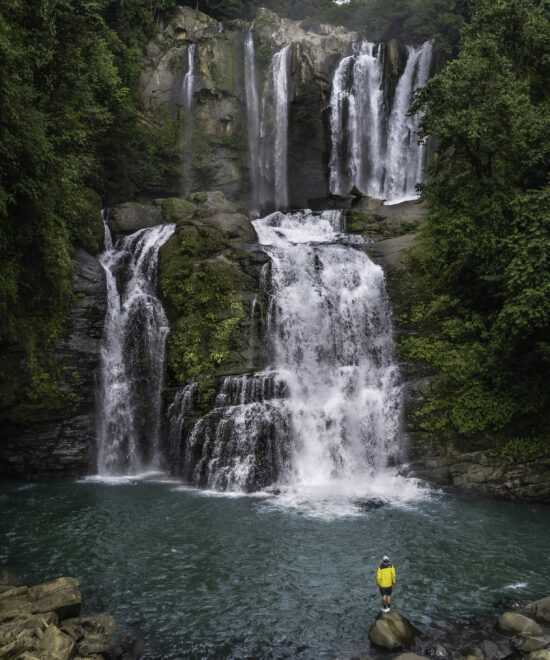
<point>253,118</point>
<point>274,132</point>
<point>330,331</point>
<point>187,91</point>
<point>380,155</point>
<point>357,122</point>
<point>132,354</point>
<point>404,156</point>
<point>180,408</point>
<point>325,417</point>
<point>188,87</point>
<point>280,67</point>
<point>242,443</point>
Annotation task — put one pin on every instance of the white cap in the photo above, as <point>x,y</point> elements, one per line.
<point>385,558</point>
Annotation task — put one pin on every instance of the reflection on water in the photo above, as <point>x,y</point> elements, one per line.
<point>211,577</point>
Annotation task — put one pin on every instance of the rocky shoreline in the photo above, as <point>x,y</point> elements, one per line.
<point>516,634</point>
<point>42,622</point>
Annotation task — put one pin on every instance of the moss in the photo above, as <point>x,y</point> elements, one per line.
<point>206,393</point>
<point>517,450</point>
<point>175,209</point>
<point>199,293</point>
<point>365,223</point>
<point>177,63</point>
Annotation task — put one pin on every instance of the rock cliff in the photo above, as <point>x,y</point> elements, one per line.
<point>59,443</point>
<point>214,129</point>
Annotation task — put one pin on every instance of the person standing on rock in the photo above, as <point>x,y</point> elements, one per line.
<point>385,579</point>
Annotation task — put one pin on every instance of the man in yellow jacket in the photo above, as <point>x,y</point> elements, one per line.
<point>385,579</point>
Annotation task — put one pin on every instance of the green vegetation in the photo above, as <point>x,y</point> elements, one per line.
<point>71,138</point>
<point>198,287</point>
<point>481,314</point>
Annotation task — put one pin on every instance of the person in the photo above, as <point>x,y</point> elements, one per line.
<point>385,579</point>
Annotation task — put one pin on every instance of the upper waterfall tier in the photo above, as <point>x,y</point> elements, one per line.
<point>132,355</point>
<point>375,146</point>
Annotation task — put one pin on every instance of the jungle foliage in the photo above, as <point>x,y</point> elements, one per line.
<point>482,318</point>
<point>70,138</point>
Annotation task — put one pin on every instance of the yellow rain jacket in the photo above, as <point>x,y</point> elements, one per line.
<point>385,576</point>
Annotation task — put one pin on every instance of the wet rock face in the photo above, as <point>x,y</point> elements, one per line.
<point>393,631</point>
<point>39,622</point>
<point>541,610</point>
<point>215,128</point>
<point>517,624</point>
<point>130,217</point>
<point>61,444</point>
<point>61,596</point>
<point>212,255</point>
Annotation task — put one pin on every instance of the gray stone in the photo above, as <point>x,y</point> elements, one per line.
<point>543,654</point>
<point>131,216</point>
<point>440,651</point>
<point>513,623</point>
<point>61,596</point>
<point>541,609</point>
<point>78,628</point>
<point>93,643</point>
<point>392,631</point>
<point>391,252</point>
<point>55,645</point>
<point>8,579</point>
<point>214,201</point>
<point>528,644</point>
<point>57,447</point>
<point>492,651</point>
<point>23,632</point>
<point>233,226</point>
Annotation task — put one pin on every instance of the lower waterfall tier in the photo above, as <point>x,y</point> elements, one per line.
<point>328,410</point>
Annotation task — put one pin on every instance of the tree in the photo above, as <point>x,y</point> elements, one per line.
<point>484,252</point>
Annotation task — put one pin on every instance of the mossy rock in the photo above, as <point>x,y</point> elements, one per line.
<point>177,210</point>
<point>201,287</point>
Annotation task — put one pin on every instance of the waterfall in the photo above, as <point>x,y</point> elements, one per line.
<point>181,407</point>
<point>280,68</point>
<point>188,87</point>
<point>253,118</point>
<point>404,156</point>
<point>357,122</point>
<point>242,443</point>
<point>380,155</point>
<point>187,91</point>
<point>330,331</point>
<point>274,132</point>
<point>326,414</point>
<point>132,354</point>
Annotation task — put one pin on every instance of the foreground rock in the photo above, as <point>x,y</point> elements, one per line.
<point>61,596</point>
<point>392,631</point>
<point>517,624</point>
<point>541,609</point>
<point>130,217</point>
<point>40,623</point>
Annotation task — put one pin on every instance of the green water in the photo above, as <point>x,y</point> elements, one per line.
<point>240,577</point>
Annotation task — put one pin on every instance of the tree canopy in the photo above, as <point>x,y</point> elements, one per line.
<point>485,249</point>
